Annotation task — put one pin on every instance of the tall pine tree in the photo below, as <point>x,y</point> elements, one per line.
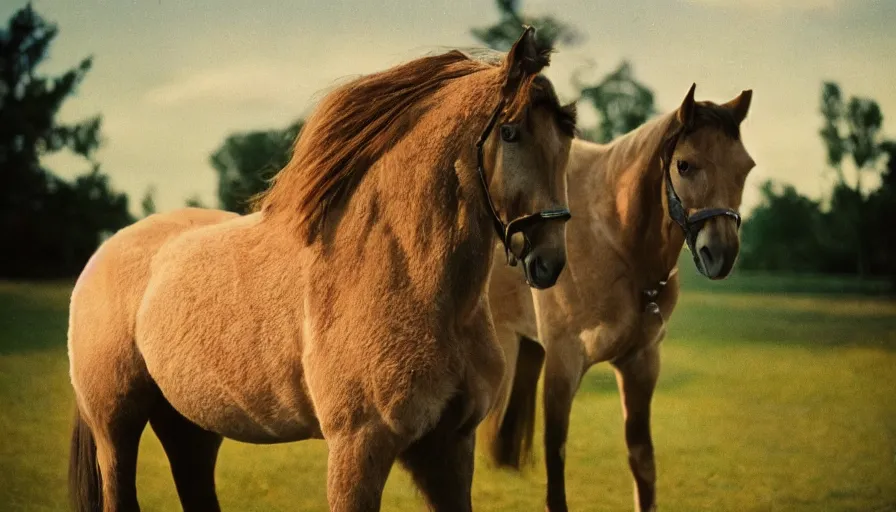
<point>50,227</point>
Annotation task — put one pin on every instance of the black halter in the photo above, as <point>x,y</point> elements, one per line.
<point>519,224</point>
<point>690,224</point>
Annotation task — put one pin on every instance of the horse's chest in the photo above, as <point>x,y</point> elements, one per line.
<point>454,386</point>
<point>606,340</point>
<point>487,366</point>
<point>475,394</point>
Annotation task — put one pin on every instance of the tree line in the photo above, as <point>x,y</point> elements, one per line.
<point>53,225</point>
<point>848,231</point>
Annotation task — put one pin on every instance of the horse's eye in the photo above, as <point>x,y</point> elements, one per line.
<point>683,167</point>
<point>510,133</point>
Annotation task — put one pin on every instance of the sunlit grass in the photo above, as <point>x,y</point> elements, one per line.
<point>764,403</point>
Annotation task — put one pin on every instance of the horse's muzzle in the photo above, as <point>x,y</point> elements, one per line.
<point>714,258</point>
<point>542,271</point>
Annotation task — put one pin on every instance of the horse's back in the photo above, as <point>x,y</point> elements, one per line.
<point>108,292</point>
<point>116,275</point>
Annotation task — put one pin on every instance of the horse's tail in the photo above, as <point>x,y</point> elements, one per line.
<point>509,439</point>
<point>84,480</point>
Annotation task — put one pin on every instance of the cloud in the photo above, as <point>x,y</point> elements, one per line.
<point>776,5</point>
<point>234,85</point>
<point>274,83</point>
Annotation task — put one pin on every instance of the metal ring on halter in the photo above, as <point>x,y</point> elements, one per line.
<point>520,224</point>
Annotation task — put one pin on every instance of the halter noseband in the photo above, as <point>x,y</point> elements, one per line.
<point>690,224</point>
<point>519,224</point>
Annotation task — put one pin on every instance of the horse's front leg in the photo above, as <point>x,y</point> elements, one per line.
<point>564,367</point>
<point>358,466</point>
<point>441,463</point>
<point>636,377</point>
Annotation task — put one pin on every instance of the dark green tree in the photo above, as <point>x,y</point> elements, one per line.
<point>148,204</point>
<point>507,30</point>
<point>846,252</point>
<point>881,209</point>
<point>194,202</point>
<point>245,162</point>
<point>853,235</point>
<point>622,104</point>
<point>51,226</point>
<point>851,129</point>
<point>832,113</point>
<point>783,233</point>
<point>864,119</point>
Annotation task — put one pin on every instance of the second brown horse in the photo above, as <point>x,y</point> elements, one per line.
<point>677,179</point>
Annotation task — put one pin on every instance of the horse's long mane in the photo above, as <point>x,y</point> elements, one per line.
<point>355,125</point>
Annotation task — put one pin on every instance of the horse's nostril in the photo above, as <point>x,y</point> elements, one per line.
<point>541,265</point>
<point>706,255</point>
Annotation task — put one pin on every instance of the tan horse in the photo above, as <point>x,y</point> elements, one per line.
<point>620,287</point>
<point>352,307</point>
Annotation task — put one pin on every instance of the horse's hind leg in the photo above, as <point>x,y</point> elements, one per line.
<point>441,463</point>
<point>192,453</point>
<point>116,453</point>
<point>114,402</point>
<point>115,423</point>
<point>510,427</point>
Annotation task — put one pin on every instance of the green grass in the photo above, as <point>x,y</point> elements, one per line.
<point>765,402</point>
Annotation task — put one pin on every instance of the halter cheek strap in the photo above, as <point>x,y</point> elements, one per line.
<point>520,224</point>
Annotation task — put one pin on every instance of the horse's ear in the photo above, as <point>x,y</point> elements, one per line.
<point>526,57</point>
<point>740,105</point>
<point>686,110</point>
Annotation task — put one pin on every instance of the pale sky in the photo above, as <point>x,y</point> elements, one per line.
<point>173,78</point>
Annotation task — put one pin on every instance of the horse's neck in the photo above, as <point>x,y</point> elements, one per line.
<point>422,215</point>
<point>623,194</point>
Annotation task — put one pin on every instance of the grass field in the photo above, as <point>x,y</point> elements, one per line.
<point>766,402</point>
